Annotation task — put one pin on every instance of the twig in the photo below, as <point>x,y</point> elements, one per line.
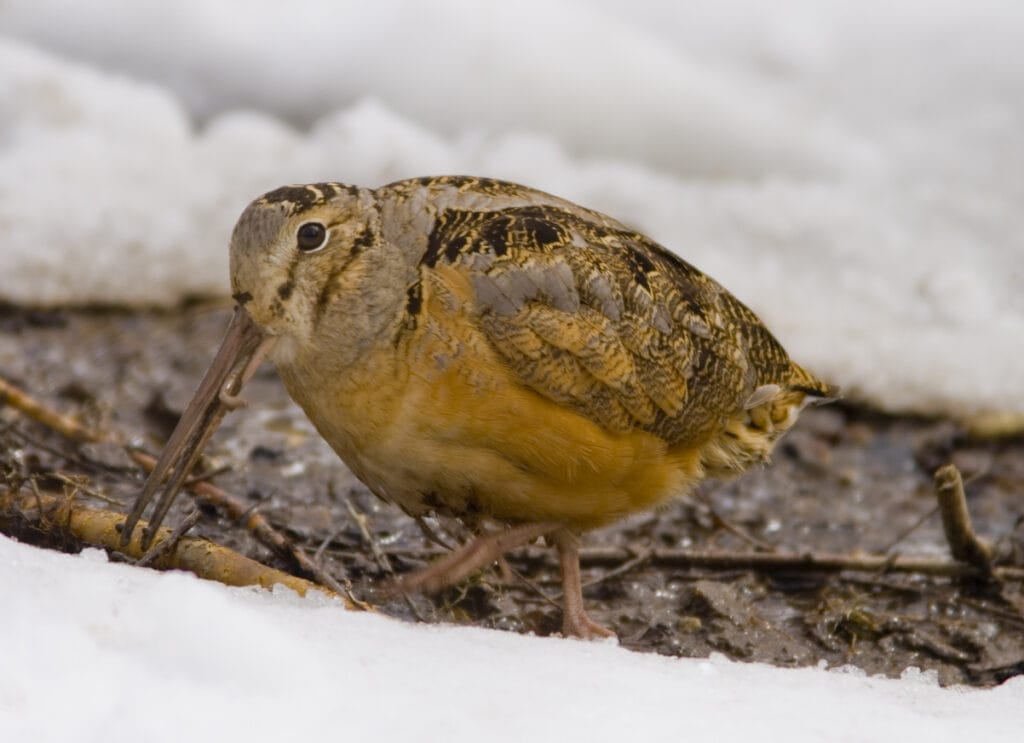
<point>79,482</point>
<point>364,528</point>
<point>200,556</point>
<point>62,424</point>
<point>430,534</point>
<point>171,543</point>
<point>259,526</point>
<point>532,585</point>
<point>1011,615</point>
<point>723,523</point>
<point>205,476</point>
<point>766,562</point>
<point>964,544</point>
<point>885,585</point>
<point>911,529</point>
<point>318,555</point>
<point>812,562</point>
<point>640,558</point>
<point>84,463</point>
<point>378,554</point>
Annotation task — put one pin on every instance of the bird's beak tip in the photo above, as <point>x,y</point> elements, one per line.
<point>243,348</point>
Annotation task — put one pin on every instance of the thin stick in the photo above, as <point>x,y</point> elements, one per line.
<point>724,523</point>
<point>822,562</point>
<point>964,544</point>
<point>28,405</point>
<point>364,528</point>
<point>642,557</point>
<point>172,540</point>
<point>318,555</point>
<point>362,522</point>
<point>79,483</point>
<point>84,463</point>
<point>535,588</point>
<point>766,562</point>
<point>911,529</point>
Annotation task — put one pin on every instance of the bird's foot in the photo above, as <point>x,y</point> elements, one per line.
<point>579,624</point>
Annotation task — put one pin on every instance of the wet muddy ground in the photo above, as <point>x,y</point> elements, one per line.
<point>845,480</point>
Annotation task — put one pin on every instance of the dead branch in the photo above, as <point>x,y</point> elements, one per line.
<point>60,517</point>
<point>256,523</point>
<point>764,562</point>
<point>29,406</point>
<point>964,544</point>
<point>822,562</point>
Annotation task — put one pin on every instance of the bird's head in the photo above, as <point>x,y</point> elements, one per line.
<point>291,253</point>
<point>308,272</point>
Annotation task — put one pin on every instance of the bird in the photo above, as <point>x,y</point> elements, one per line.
<point>477,349</point>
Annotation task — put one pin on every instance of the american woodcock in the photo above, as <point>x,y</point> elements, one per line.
<point>480,349</point>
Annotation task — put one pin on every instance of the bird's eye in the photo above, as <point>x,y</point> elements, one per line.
<point>311,236</point>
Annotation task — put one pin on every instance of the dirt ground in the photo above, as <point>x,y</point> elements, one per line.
<point>845,480</point>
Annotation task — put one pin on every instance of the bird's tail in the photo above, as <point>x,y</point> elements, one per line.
<point>820,392</point>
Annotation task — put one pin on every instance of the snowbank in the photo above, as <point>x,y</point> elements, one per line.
<point>853,172</point>
<point>98,651</point>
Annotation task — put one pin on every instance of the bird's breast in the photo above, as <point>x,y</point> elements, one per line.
<point>439,422</point>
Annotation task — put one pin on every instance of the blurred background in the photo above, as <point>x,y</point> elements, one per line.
<point>854,171</point>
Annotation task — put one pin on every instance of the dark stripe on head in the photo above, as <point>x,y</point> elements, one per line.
<point>327,292</point>
<point>324,298</point>
<point>299,198</point>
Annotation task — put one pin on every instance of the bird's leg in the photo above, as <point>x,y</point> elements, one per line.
<point>575,622</point>
<point>478,553</point>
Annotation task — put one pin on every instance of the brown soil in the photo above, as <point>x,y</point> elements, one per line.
<point>846,480</point>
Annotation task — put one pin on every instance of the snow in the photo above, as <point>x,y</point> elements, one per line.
<point>94,650</point>
<point>853,171</point>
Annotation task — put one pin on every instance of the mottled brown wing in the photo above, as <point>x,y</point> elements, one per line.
<point>608,322</point>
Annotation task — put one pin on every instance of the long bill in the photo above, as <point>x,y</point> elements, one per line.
<point>244,346</point>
